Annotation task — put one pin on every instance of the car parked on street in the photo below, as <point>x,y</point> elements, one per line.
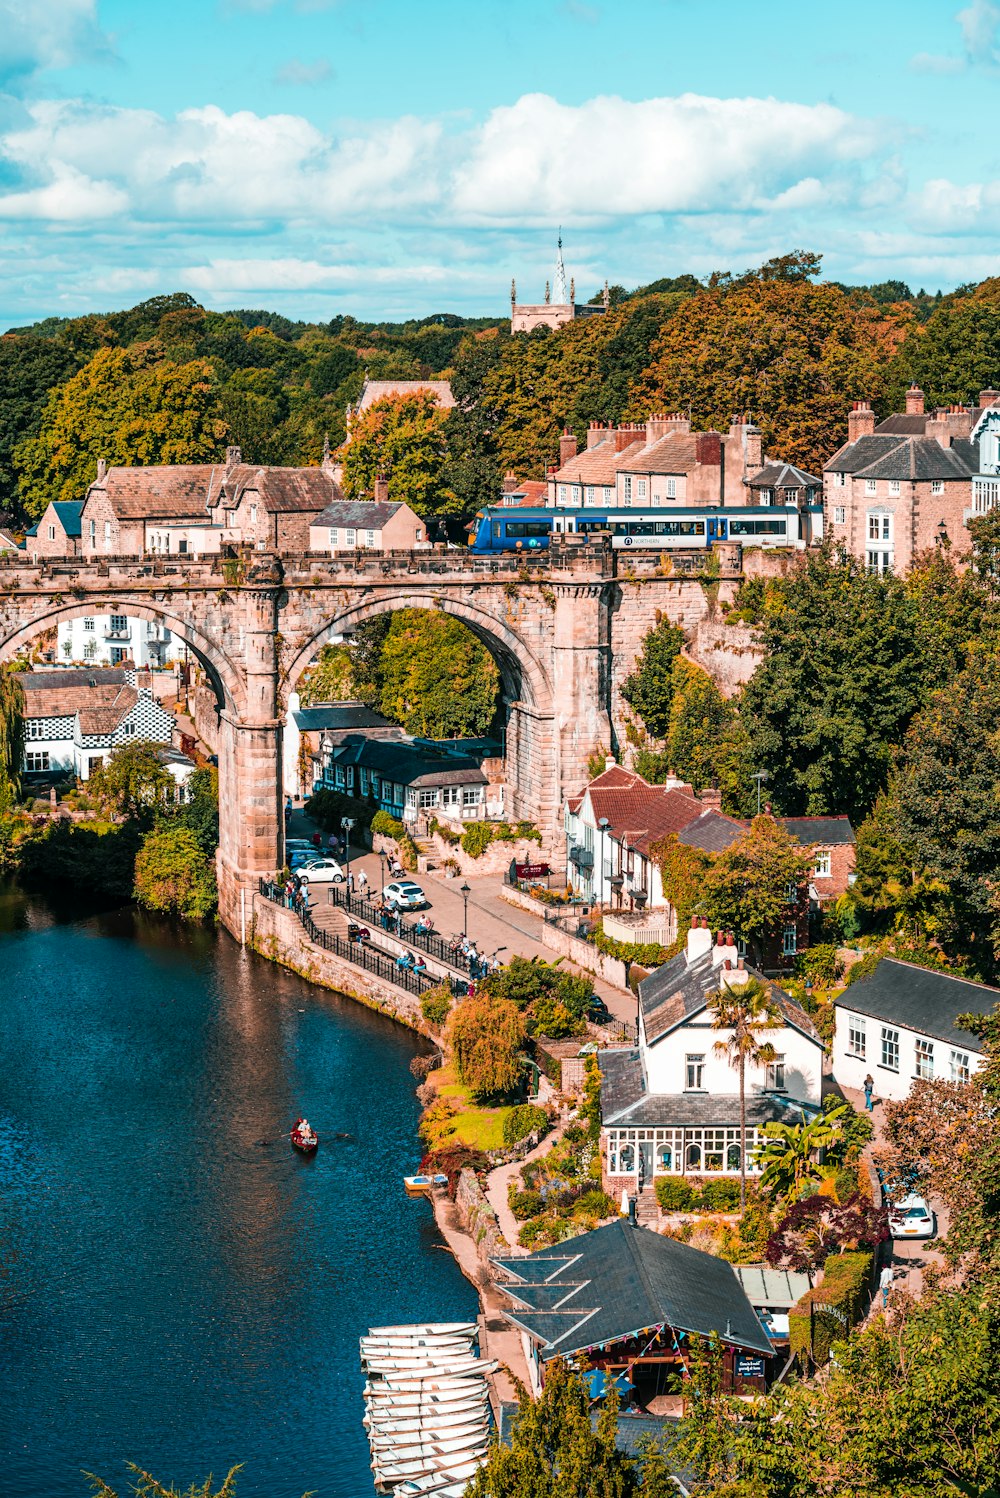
<point>598,1012</point>
<point>320,871</point>
<point>911,1218</point>
<point>403,894</point>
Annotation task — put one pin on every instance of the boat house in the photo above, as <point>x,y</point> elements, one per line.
<point>625,1300</point>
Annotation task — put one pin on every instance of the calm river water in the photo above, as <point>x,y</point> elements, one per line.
<point>171,1293</point>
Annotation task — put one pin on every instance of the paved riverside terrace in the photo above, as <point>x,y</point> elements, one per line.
<point>565,633</point>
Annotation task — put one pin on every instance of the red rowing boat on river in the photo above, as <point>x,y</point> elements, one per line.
<point>303,1137</point>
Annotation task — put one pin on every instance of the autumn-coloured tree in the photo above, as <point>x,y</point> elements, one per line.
<point>401,438</point>
<point>126,406</point>
<point>11,736</point>
<point>752,886</point>
<point>173,874</point>
<point>486,1036</point>
<point>818,1226</point>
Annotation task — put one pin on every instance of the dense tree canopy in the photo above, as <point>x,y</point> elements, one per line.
<point>747,888</point>
<point>403,440</point>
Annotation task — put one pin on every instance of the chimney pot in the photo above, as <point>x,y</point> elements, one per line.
<point>233,458</point>
<point>509,483</point>
<point>914,400</point>
<point>860,421</point>
<point>102,470</point>
<point>567,447</point>
<point>381,490</point>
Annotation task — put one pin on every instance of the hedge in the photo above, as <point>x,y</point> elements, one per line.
<point>387,825</point>
<point>522,1121</point>
<point>845,1288</point>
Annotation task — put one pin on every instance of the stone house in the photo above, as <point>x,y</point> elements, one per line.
<point>655,464</point>
<point>414,779</point>
<point>559,306</point>
<point>311,734</point>
<point>670,1105</point>
<point>123,503</point>
<point>913,481</point>
<point>109,639</point>
<point>367,525</point>
<point>271,508</point>
<point>74,719</point>
<point>901,1024</point>
<point>8,541</point>
<point>58,532</point>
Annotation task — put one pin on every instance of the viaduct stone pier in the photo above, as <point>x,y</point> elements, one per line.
<point>565,631</point>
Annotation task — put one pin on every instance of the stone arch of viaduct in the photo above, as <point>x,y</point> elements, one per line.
<point>563,640</point>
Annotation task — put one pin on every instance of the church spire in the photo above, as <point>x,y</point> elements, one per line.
<point>561,294</point>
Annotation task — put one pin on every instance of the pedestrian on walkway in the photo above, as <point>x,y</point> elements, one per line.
<point>350,883</point>
<point>332,844</point>
<point>869,1090</point>
<point>885,1280</point>
<point>317,840</point>
<point>362,883</point>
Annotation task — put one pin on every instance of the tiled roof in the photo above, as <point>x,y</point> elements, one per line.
<point>711,831</point>
<point>600,464</point>
<point>915,459</point>
<point>902,425</point>
<point>919,999</point>
<point>106,703</point>
<point>106,718</point>
<point>783,476</point>
<point>619,1279</point>
<point>376,390</point>
<point>677,452</point>
<point>279,490</point>
<point>176,491</point>
<point>832,831</point>
<point>367,514</point>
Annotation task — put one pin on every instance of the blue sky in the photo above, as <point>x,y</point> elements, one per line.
<point>391,159</point>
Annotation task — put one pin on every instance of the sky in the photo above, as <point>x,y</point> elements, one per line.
<point>397,158</point>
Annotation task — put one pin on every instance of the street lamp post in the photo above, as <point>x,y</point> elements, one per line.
<point>381,864</point>
<point>347,823</point>
<point>603,824</point>
<point>465,892</point>
<point>760,776</point>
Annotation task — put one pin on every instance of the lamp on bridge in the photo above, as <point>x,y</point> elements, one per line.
<point>465,892</point>
<point>347,823</point>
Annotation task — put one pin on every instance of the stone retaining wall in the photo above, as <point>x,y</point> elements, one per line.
<point>479,1217</point>
<point>277,934</point>
<point>495,860</point>
<point>583,953</point>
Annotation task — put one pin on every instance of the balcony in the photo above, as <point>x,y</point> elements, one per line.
<point>581,858</point>
<point>118,635</point>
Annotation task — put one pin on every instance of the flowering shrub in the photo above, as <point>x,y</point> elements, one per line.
<point>816,1227</point>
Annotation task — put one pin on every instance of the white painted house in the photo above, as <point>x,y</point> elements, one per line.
<point>670,1106</point>
<point>108,639</point>
<point>73,720</point>
<point>900,1024</point>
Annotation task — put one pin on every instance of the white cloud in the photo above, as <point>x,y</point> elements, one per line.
<point>980,22</point>
<point>36,34</point>
<point>69,197</point>
<point>930,62</point>
<point>540,159</point>
<point>227,276</point>
<point>304,74</point>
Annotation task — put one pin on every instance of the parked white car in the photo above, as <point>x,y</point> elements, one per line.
<point>320,871</point>
<point>911,1218</point>
<point>405,895</point>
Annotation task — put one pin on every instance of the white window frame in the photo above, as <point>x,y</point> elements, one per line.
<point>334,535</point>
<point>960,1066</point>
<point>857,1036</point>
<point>937,486</point>
<point>889,1049</point>
<point>350,537</point>
<point>923,1058</point>
<point>671,488</point>
<point>640,488</point>
<point>52,533</point>
<point>840,515</point>
<point>428,797</point>
<point>627,488</point>
<point>694,1072</point>
<point>871,486</point>
<point>822,866</point>
<point>37,761</point>
<point>774,1075</point>
<point>472,795</point>
<point>894,486</point>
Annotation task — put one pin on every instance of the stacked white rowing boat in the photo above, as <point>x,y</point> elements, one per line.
<point>427,1407</point>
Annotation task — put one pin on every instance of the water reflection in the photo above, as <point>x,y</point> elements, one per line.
<point>175,1292</point>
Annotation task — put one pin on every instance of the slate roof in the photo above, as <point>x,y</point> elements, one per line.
<point>625,1102</point>
<point>679,989</point>
<point>279,490</point>
<point>100,708</point>
<point>376,390</point>
<point>365,514</point>
<point>711,831</point>
<point>915,998</point>
<point>340,716</point>
<point>916,459</point>
<point>619,1279</point>
<point>408,764</point>
<point>830,831</point>
<point>39,681</point>
<point>783,476</point>
<point>902,425</point>
<point>68,512</point>
<point>854,456</point>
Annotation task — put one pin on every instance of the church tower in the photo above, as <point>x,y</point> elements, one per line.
<point>559,307</point>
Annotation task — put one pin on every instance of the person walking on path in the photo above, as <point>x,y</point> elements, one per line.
<point>869,1090</point>
<point>885,1280</point>
<point>362,883</point>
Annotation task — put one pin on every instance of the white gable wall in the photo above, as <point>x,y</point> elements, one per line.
<point>850,1066</point>
<point>665,1061</point>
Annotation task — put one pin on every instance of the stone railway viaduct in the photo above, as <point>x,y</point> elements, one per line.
<point>564,630</point>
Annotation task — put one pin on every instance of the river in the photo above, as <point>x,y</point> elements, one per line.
<point>172,1292</point>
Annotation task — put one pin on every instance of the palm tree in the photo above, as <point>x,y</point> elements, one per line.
<point>747,1012</point>
<point>789,1151</point>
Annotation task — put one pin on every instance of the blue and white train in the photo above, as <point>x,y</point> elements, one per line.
<point>691,529</point>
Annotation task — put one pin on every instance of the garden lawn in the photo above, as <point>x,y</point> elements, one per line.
<point>478,1127</point>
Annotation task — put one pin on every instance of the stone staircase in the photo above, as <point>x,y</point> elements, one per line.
<point>647,1210</point>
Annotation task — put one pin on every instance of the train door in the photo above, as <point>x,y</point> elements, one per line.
<point>716,528</point>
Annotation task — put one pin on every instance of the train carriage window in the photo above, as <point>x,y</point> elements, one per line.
<point>758,527</point>
<point>496,530</point>
<point>527,528</point>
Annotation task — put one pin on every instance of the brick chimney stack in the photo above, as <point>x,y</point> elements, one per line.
<point>678,422</point>
<point>233,458</point>
<point>753,448</point>
<point>949,422</point>
<point>510,482</point>
<point>656,427</point>
<point>624,437</point>
<point>914,400</point>
<point>567,447</point>
<point>102,470</point>
<point>989,398</point>
<point>860,421</point>
<point>596,433</point>
<point>381,490</point>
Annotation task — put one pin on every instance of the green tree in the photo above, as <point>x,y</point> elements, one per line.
<point>403,439</point>
<point>11,737</point>
<point>699,720</point>
<point>329,678</point>
<point>747,1013</point>
<point>486,1036</point>
<point>133,782</point>
<point>840,680</point>
<point>789,1154</point>
<point>947,791</point>
<point>650,688</point>
<point>555,1452</point>
<point>29,369</point>
<point>173,874</point>
<point>746,889</point>
<point>437,680</point>
<point>126,406</point>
